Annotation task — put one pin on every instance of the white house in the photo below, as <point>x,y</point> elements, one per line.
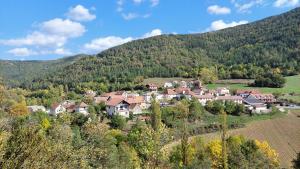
<point>135,109</point>
<point>36,108</point>
<point>203,99</point>
<point>82,108</point>
<point>117,106</point>
<point>168,85</point>
<point>57,109</point>
<point>223,91</point>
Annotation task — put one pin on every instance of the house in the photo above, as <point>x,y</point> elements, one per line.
<point>266,98</point>
<point>152,87</point>
<point>197,84</point>
<point>184,92</point>
<point>82,108</point>
<point>69,105</point>
<point>203,99</point>
<point>168,85</point>
<point>36,108</point>
<point>139,100</point>
<point>183,84</point>
<point>170,94</point>
<point>117,106</point>
<point>148,96</point>
<point>100,99</point>
<point>222,91</point>
<point>56,109</point>
<point>135,109</point>
<point>90,93</point>
<point>245,93</point>
<point>120,94</point>
<point>255,105</point>
<point>235,99</point>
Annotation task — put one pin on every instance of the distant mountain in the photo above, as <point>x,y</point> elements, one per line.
<point>268,43</point>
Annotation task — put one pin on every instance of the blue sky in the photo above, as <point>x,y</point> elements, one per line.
<point>51,29</point>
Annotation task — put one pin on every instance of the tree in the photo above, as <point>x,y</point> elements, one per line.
<point>224,143</point>
<point>19,109</point>
<point>208,75</point>
<point>195,110</point>
<point>156,115</point>
<point>183,108</point>
<point>296,162</point>
<point>118,122</point>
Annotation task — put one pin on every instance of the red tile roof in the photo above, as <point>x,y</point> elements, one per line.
<point>135,99</point>
<point>115,101</point>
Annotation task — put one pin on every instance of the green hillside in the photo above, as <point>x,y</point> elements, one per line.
<point>17,72</point>
<point>241,52</point>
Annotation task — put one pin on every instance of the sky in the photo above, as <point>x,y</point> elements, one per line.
<point>52,29</point>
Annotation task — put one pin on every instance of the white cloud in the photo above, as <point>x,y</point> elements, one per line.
<point>286,3</point>
<point>36,39</point>
<point>154,3</point>
<point>54,32</point>
<point>62,27</point>
<point>80,13</point>
<point>154,32</point>
<point>103,43</point>
<point>246,6</point>
<point>130,16</point>
<point>21,52</point>
<point>220,24</point>
<point>218,10</point>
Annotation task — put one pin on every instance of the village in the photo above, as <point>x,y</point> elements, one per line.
<point>126,103</point>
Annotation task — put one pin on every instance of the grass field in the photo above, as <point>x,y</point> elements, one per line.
<point>292,86</point>
<point>281,133</point>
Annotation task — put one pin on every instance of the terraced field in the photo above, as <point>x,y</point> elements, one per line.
<point>283,134</point>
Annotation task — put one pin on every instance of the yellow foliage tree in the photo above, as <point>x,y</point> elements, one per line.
<point>215,150</point>
<point>19,109</point>
<point>268,152</point>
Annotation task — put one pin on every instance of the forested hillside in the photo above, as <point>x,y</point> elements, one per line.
<point>17,72</point>
<point>241,52</point>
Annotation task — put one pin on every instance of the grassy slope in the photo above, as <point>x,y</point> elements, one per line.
<point>292,85</point>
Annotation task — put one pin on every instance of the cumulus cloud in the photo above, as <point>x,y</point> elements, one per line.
<point>218,10</point>
<point>54,32</point>
<point>80,13</point>
<point>220,24</point>
<point>21,52</point>
<point>103,43</point>
<point>49,38</point>
<point>154,32</point>
<point>286,3</point>
<point>66,28</point>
